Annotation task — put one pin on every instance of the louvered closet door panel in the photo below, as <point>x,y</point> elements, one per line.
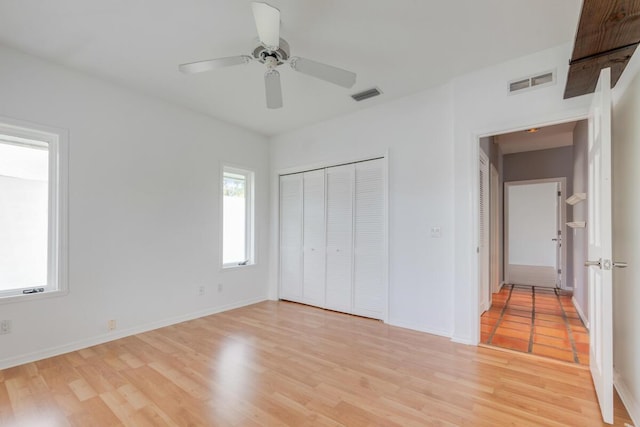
<point>369,239</point>
<point>339,237</point>
<point>314,238</point>
<point>291,237</point>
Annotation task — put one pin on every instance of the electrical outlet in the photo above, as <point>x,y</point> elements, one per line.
<point>5,327</point>
<point>219,287</point>
<point>201,290</point>
<point>111,325</point>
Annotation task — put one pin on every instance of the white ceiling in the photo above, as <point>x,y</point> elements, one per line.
<point>400,46</point>
<point>555,136</point>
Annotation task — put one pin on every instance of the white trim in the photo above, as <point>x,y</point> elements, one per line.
<point>250,231</point>
<point>419,328</point>
<point>385,255</point>
<point>465,341</point>
<point>580,312</point>
<point>57,140</point>
<point>495,261</point>
<point>82,344</point>
<point>555,119</point>
<point>631,404</point>
<point>472,257</point>
<point>484,248</point>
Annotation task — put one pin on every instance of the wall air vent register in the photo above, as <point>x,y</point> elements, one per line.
<point>536,81</point>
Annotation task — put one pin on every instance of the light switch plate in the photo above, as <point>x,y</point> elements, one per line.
<point>436,232</point>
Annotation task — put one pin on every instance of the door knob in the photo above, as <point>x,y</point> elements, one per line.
<point>554,240</point>
<point>619,264</point>
<point>597,263</point>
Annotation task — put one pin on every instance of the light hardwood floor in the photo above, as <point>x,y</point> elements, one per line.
<point>279,363</point>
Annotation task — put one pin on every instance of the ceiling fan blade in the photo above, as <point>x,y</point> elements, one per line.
<point>267,20</point>
<point>322,71</point>
<point>212,64</point>
<point>273,89</point>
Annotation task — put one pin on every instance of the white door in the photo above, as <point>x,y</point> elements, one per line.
<point>339,238</point>
<point>369,292</point>
<point>291,237</point>
<point>313,238</point>
<point>532,233</point>
<point>600,251</point>
<point>483,233</point>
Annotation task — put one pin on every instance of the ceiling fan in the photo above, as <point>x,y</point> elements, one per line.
<point>273,52</point>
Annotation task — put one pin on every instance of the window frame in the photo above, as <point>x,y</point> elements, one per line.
<point>57,240</point>
<point>249,176</point>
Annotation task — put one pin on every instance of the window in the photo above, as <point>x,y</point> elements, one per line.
<point>32,211</point>
<point>237,217</point>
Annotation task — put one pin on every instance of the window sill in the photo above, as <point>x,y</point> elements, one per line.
<point>232,267</point>
<point>32,297</point>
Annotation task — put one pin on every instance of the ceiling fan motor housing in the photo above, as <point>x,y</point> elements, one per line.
<point>262,53</point>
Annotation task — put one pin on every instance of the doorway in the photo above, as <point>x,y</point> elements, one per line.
<point>534,227</point>
<point>532,273</point>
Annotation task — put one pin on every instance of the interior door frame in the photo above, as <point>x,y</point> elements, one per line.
<point>495,260</point>
<point>474,217</point>
<point>484,248</point>
<point>562,223</point>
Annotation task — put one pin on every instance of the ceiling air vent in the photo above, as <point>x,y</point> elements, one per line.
<point>532,82</point>
<point>366,94</point>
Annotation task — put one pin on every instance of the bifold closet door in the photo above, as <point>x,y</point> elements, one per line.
<point>313,287</point>
<point>291,219</point>
<point>369,291</point>
<point>339,237</point>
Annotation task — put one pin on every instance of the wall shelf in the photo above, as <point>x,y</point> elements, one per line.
<point>576,198</point>
<point>577,224</point>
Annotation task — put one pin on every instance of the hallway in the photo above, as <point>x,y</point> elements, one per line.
<point>540,321</point>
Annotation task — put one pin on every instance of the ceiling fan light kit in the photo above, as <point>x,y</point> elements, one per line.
<point>273,52</point>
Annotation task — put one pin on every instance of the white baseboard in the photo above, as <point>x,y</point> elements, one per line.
<point>462,340</point>
<point>100,339</point>
<point>630,402</point>
<point>580,312</point>
<point>419,328</point>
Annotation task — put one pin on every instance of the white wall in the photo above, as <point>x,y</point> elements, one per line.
<point>416,131</point>
<point>626,237</point>
<point>482,107</point>
<point>143,210</point>
<point>433,144</point>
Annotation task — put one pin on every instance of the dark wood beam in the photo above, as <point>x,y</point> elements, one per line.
<point>584,73</point>
<point>608,34</point>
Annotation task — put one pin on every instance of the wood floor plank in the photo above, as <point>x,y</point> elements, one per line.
<point>279,363</point>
